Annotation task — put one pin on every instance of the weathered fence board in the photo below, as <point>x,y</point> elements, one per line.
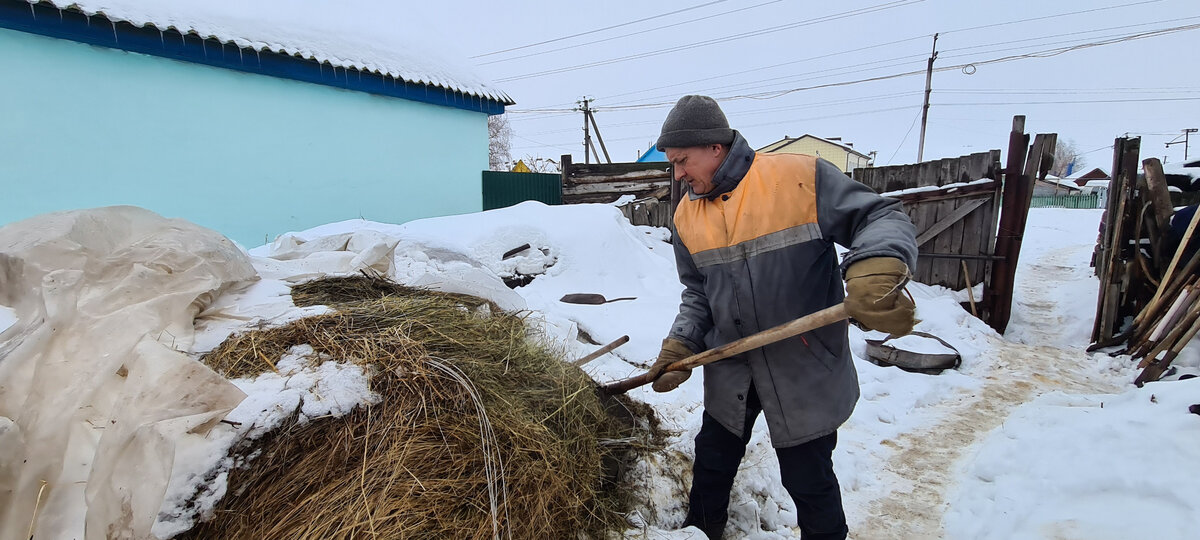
<point>649,183</point>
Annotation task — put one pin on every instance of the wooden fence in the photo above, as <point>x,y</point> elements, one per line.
<point>649,183</point>
<point>955,214</point>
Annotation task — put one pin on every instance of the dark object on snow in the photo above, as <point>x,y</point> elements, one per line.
<point>1194,409</point>
<point>514,251</point>
<point>1187,376</point>
<point>1179,223</point>
<point>879,352</point>
<point>590,298</point>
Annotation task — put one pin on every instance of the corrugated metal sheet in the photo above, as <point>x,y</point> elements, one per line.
<point>501,189</point>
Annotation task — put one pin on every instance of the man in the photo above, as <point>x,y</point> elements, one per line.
<point>754,246</point>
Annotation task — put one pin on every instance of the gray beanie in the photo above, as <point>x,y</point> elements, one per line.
<point>694,121</point>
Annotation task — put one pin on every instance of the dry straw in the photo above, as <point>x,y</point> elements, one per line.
<point>480,432</point>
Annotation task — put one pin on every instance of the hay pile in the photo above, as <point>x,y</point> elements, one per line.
<point>480,433</point>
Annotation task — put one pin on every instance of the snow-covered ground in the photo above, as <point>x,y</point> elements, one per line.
<point>1031,437</point>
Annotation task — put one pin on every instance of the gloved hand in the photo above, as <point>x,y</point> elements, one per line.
<point>875,295</point>
<point>672,351</point>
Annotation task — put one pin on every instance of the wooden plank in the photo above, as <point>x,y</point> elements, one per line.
<point>1157,193</point>
<point>951,218</point>
<point>958,230</point>
<point>614,187</point>
<point>1109,301</point>
<point>635,176</point>
<point>952,193</point>
<point>947,270</point>
<point>611,169</point>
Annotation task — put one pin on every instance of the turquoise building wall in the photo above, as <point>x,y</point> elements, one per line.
<point>248,155</point>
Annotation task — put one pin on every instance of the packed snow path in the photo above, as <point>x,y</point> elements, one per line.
<point>925,460</point>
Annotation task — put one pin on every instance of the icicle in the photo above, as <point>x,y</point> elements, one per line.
<point>60,16</point>
<point>162,39</point>
<point>204,47</point>
<point>32,12</point>
<point>258,55</point>
<point>114,27</point>
<point>241,60</point>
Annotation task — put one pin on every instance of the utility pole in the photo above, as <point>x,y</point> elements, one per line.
<point>1186,132</point>
<point>591,115</point>
<point>587,137</point>
<point>928,89</point>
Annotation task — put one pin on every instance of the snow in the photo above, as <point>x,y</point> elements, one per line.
<point>367,36</point>
<point>921,345</point>
<point>1054,276</point>
<point>1012,444</point>
<point>947,188</point>
<point>1086,466</point>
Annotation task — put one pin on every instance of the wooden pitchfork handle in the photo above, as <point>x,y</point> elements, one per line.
<point>807,323</point>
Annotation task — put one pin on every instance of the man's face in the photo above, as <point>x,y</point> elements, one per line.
<point>697,165</point>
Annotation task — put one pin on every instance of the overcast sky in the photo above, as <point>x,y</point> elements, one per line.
<point>750,53</point>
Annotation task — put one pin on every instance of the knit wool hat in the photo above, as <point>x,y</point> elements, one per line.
<point>694,121</point>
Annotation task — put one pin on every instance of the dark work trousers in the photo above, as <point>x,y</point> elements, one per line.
<point>806,471</point>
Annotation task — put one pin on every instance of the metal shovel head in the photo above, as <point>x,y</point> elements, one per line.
<point>589,298</point>
<point>582,298</point>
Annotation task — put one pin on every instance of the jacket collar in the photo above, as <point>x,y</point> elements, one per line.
<point>731,171</point>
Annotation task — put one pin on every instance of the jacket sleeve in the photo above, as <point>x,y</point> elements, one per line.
<point>854,216</point>
<point>695,317</point>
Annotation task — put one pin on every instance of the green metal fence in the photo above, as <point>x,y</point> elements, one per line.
<point>502,189</point>
<point>1091,200</point>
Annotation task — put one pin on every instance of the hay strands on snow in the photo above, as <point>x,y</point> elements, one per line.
<point>479,432</point>
<point>786,330</point>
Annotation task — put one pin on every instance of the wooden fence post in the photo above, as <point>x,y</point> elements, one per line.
<point>1003,272</point>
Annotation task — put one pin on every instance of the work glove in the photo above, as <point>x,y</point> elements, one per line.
<point>672,351</point>
<point>875,295</point>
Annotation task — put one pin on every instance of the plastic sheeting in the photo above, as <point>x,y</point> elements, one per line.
<point>93,387</point>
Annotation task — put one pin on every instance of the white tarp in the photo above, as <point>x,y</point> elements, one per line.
<point>93,387</point>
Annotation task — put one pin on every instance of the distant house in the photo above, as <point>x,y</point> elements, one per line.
<point>652,155</point>
<point>843,155</point>
<point>1082,179</point>
<point>230,118</point>
<point>1054,185</point>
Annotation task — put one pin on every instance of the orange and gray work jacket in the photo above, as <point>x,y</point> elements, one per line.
<point>758,251</point>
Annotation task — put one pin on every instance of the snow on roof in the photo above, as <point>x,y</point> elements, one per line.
<point>1065,182</point>
<point>344,34</point>
<point>1189,168</point>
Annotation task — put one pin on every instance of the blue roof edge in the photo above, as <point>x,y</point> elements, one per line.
<point>47,20</point>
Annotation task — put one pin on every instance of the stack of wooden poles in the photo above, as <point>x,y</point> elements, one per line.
<point>1137,284</point>
<point>1172,318</point>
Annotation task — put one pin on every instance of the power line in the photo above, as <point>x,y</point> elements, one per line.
<point>922,36</point>
<point>655,29</point>
<point>906,133</point>
<point>1045,17</point>
<point>1066,102</point>
<point>644,19</point>
<point>796,77</point>
<point>732,37</point>
<point>1036,54</point>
